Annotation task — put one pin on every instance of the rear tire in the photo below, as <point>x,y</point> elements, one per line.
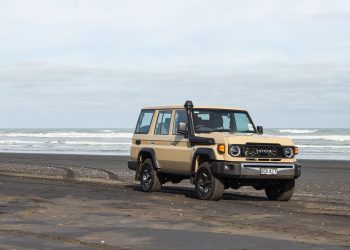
<point>280,190</point>
<point>149,179</point>
<point>207,186</point>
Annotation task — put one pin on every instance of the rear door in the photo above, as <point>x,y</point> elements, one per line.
<point>162,137</point>
<point>141,135</point>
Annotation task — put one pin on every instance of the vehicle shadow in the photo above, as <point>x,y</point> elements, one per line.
<point>190,193</point>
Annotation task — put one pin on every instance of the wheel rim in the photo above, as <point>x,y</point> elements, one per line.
<point>146,177</point>
<point>204,184</point>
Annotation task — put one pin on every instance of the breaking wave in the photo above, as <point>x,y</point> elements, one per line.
<point>298,131</point>
<point>88,141</point>
<point>339,138</point>
<point>69,135</point>
<point>314,143</point>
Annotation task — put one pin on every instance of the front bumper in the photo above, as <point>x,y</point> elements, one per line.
<point>252,170</point>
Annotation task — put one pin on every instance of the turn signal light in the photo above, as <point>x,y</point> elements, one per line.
<point>221,148</point>
<point>296,150</point>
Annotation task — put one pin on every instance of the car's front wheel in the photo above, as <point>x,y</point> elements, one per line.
<point>280,190</point>
<point>149,179</point>
<point>207,186</point>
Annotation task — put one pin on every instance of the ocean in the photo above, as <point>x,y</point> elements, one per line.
<point>313,143</point>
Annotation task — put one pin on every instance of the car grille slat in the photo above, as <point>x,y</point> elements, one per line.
<point>263,150</point>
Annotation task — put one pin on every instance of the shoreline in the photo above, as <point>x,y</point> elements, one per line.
<point>314,144</point>
<point>127,156</point>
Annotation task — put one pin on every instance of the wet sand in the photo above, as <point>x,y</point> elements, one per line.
<point>92,202</point>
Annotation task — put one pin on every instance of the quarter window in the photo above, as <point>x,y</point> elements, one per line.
<point>144,122</point>
<point>163,123</point>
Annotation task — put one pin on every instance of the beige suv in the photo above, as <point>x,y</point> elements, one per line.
<point>215,147</point>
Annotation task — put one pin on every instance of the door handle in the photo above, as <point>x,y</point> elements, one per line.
<point>151,142</point>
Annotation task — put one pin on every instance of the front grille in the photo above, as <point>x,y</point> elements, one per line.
<point>263,150</point>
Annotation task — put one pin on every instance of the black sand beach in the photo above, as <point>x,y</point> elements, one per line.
<point>92,202</point>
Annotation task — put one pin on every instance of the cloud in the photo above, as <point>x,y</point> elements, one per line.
<point>69,62</point>
<point>268,90</point>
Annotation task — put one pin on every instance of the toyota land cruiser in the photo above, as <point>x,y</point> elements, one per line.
<point>215,147</point>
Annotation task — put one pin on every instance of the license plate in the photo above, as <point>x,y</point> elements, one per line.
<point>268,171</point>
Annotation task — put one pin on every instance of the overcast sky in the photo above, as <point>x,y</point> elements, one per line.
<point>96,63</point>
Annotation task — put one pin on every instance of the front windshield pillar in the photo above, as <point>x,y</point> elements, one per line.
<point>189,110</point>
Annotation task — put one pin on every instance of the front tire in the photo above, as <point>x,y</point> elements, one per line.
<point>280,190</point>
<point>207,186</point>
<point>149,179</point>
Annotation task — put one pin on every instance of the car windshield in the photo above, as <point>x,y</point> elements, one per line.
<point>217,120</point>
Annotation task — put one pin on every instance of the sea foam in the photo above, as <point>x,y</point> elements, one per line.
<point>297,131</point>
<point>68,135</point>
<point>339,138</point>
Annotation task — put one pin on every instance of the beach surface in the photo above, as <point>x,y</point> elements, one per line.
<point>92,202</point>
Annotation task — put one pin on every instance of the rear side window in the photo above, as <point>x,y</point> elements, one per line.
<point>180,116</point>
<point>163,123</point>
<point>144,122</point>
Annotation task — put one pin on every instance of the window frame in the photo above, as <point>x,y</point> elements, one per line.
<point>174,132</point>
<point>139,120</point>
<point>218,109</point>
<point>156,121</point>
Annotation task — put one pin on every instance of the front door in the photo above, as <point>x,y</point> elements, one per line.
<point>179,157</point>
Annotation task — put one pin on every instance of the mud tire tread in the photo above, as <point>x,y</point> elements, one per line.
<point>217,186</point>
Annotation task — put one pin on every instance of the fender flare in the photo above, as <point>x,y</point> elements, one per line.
<point>154,161</point>
<point>202,151</point>
<point>152,153</point>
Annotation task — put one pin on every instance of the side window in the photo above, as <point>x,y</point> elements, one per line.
<point>144,122</point>
<point>180,116</point>
<point>226,122</point>
<point>242,123</point>
<point>163,123</point>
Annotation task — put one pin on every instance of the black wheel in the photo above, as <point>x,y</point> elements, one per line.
<point>207,186</point>
<point>280,190</point>
<point>149,179</point>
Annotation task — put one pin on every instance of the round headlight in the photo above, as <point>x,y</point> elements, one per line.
<point>235,150</point>
<point>288,152</point>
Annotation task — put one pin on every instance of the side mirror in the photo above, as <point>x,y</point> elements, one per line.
<point>182,128</point>
<point>260,129</point>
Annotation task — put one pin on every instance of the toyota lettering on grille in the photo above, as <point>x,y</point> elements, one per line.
<point>264,151</point>
<point>261,151</point>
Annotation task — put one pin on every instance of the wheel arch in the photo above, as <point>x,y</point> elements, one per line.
<point>201,155</point>
<point>148,153</point>
<point>145,153</point>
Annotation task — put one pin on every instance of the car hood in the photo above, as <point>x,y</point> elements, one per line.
<point>252,138</point>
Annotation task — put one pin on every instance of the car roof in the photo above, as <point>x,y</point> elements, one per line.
<point>195,107</point>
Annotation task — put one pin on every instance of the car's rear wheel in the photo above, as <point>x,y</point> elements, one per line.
<point>149,179</point>
<point>207,186</point>
<point>280,190</point>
